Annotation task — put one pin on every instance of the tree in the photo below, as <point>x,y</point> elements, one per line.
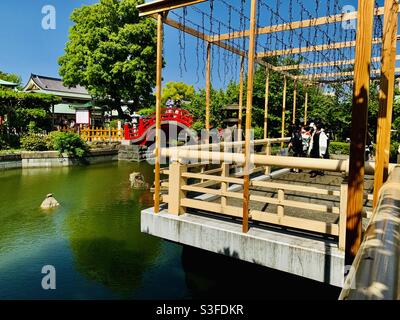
<point>177,91</point>
<point>112,52</point>
<point>10,77</point>
<point>25,111</point>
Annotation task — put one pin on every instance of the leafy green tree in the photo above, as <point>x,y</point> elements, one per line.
<point>112,52</point>
<point>177,91</point>
<point>10,77</point>
<point>25,112</point>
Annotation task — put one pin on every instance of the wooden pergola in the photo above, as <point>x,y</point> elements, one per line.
<point>362,61</point>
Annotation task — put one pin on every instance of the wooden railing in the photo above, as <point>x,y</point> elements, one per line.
<point>102,134</point>
<point>97,134</point>
<point>221,184</point>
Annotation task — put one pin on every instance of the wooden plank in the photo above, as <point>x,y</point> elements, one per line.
<point>281,203</point>
<point>224,185</point>
<point>266,103</point>
<point>212,207</point>
<point>157,157</point>
<point>306,108</point>
<point>160,6</point>
<point>294,102</point>
<point>241,91</point>
<point>338,18</point>
<point>175,189</point>
<point>386,96</point>
<point>335,75</point>
<point>213,178</point>
<point>320,47</point>
<point>249,106</point>
<point>296,223</point>
<point>359,128</point>
<point>208,89</point>
<point>293,187</point>
<point>340,63</point>
<point>283,109</point>
<point>343,213</point>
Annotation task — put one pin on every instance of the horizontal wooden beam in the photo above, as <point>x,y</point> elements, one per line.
<point>339,18</point>
<point>320,47</point>
<point>336,75</point>
<point>324,64</point>
<point>158,6</point>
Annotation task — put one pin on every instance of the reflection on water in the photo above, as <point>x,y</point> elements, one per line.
<point>95,243</point>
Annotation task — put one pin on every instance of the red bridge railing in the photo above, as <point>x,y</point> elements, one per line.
<point>139,131</point>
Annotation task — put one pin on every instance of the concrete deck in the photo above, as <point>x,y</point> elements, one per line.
<point>303,255</point>
<point>299,253</point>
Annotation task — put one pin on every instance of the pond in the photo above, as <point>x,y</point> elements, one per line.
<point>94,242</point>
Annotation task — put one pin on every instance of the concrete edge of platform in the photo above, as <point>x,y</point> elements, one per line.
<point>313,258</point>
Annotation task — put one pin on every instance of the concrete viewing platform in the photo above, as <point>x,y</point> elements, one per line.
<point>304,255</point>
<point>299,252</point>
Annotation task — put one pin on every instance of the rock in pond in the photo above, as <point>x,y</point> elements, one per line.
<point>50,202</point>
<point>137,181</point>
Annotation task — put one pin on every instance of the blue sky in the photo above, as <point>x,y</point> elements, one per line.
<point>26,48</point>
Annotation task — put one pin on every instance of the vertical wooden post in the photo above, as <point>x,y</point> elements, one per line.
<point>359,128</point>
<point>343,212</point>
<point>266,103</point>
<point>224,185</point>
<point>160,39</point>
<point>175,193</point>
<point>268,153</point>
<point>386,95</point>
<point>249,105</point>
<point>294,102</point>
<point>241,91</point>
<point>208,91</point>
<point>281,208</point>
<point>284,108</point>
<point>306,109</point>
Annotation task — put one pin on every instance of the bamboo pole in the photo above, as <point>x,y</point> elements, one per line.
<point>157,185</point>
<point>359,128</point>
<point>386,95</point>
<point>306,109</point>
<point>249,105</point>
<point>284,108</point>
<point>241,91</point>
<point>294,102</point>
<point>266,104</point>
<point>208,90</point>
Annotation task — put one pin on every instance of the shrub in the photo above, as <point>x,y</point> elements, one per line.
<point>146,111</point>
<point>35,142</point>
<point>258,133</point>
<point>114,123</point>
<point>339,148</point>
<point>394,151</point>
<point>198,126</point>
<point>70,143</point>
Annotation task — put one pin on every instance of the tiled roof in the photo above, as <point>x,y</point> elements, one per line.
<point>54,84</point>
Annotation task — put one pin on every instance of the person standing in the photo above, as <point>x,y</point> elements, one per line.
<point>318,148</point>
<point>296,144</point>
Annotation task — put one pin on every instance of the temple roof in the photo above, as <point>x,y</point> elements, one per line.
<point>55,86</point>
<point>7,83</point>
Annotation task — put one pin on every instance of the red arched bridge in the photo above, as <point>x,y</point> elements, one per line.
<point>138,133</point>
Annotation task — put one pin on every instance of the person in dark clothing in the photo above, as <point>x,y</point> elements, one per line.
<point>296,144</point>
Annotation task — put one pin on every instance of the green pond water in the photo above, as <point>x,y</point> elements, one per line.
<point>94,241</point>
